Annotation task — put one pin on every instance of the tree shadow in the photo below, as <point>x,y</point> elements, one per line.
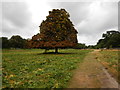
<point>53,53</point>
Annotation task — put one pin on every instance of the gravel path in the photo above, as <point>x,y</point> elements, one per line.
<point>91,74</point>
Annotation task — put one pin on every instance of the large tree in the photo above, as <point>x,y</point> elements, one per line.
<point>56,31</point>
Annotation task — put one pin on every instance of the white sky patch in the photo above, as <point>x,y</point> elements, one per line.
<point>89,39</point>
<point>39,9</point>
<point>86,40</point>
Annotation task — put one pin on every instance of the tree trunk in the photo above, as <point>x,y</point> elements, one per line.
<point>46,50</point>
<point>56,50</point>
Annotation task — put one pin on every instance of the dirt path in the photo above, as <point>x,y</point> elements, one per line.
<point>91,74</point>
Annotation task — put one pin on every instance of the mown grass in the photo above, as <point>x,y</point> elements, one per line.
<point>31,69</point>
<point>110,59</point>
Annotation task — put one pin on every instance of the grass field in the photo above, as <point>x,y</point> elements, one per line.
<point>110,59</point>
<point>31,69</point>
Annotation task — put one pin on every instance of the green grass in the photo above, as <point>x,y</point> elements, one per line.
<point>110,59</point>
<point>31,69</point>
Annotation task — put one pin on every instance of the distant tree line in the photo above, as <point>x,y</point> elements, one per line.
<point>80,46</point>
<point>14,42</point>
<point>110,39</point>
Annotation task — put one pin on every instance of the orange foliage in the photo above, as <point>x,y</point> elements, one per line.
<point>56,31</point>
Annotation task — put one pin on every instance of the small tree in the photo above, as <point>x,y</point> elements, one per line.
<point>17,42</point>
<point>56,31</point>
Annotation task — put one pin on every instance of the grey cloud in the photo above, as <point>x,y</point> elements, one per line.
<point>98,24</point>
<point>16,19</point>
<point>16,13</point>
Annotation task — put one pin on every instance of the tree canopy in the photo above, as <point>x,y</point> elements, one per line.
<point>57,31</point>
<point>4,42</point>
<point>15,41</point>
<point>111,39</point>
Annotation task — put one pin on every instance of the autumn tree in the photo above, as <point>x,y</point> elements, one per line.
<point>56,31</point>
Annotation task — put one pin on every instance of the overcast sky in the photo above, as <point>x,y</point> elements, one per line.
<point>91,18</point>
